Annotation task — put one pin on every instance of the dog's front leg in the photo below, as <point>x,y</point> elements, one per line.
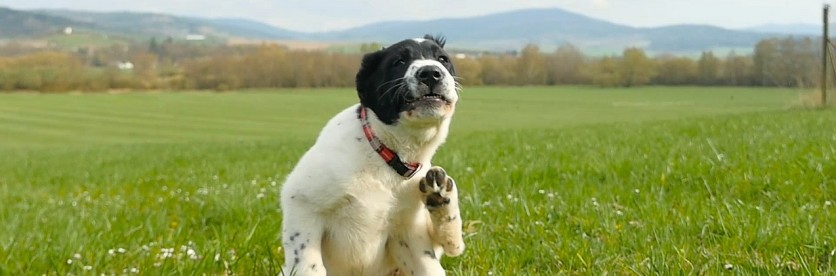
<point>302,232</point>
<point>440,195</point>
<point>414,252</point>
<point>435,230</point>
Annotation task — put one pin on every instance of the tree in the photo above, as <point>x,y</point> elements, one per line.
<point>566,65</point>
<point>635,68</point>
<point>708,69</point>
<point>153,46</point>
<point>605,72</point>
<point>765,61</point>
<point>497,70</point>
<point>469,71</point>
<point>737,70</point>
<point>531,66</point>
<point>675,71</point>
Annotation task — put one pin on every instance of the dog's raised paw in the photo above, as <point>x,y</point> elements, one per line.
<point>436,187</point>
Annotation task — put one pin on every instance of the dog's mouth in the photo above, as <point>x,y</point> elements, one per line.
<point>431,98</point>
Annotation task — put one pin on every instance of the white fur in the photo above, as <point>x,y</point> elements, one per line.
<point>448,84</point>
<point>347,210</point>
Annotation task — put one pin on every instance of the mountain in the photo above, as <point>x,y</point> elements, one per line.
<point>790,29</point>
<point>253,29</point>
<point>505,31</point>
<point>698,38</point>
<point>153,24</point>
<point>510,30</point>
<point>551,27</point>
<point>21,24</point>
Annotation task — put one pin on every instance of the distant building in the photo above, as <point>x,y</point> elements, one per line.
<point>195,37</point>
<point>68,30</point>
<point>125,65</point>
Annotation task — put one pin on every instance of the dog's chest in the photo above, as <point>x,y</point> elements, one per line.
<point>373,210</point>
<point>378,196</point>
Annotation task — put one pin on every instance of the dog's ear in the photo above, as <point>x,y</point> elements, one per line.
<point>439,39</point>
<point>367,68</point>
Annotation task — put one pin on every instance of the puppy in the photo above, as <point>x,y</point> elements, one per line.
<point>365,199</point>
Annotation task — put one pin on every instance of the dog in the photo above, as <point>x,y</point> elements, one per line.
<point>365,199</point>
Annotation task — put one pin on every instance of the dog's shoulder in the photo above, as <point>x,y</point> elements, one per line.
<point>338,150</point>
<point>343,129</point>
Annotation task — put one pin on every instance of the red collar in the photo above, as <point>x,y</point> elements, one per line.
<point>388,155</point>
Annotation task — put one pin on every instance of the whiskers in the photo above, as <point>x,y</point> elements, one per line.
<point>399,88</point>
<point>457,82</point>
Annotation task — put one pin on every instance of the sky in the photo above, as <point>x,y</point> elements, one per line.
<point>326,15</point>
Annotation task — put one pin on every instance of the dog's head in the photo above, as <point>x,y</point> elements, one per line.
<point>410,81</point>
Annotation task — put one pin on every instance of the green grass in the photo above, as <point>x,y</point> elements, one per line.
<point>84,39</point>
<point>571,180</point>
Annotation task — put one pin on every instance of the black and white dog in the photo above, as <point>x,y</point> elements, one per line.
<point>365,199</point>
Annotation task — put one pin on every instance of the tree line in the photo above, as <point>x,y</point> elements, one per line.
<point>783,62</point>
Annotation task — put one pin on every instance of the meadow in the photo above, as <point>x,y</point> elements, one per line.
<point>553,180</point>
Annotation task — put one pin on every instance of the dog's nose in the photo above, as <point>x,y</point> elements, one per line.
<point>430,75</point>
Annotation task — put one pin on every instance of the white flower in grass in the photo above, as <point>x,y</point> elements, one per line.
<point>827,203</point>
<point>192,254</point>
<point>133,270</point>
<point>121,250</point>
<point>728,266</point>
<point>87,267</point>
<point>541,191</point>
<point>166,253</point>
<point>111,252</point>
<point>550,195</point>
<point>636,191</point>
<point>217,257</point>
<point>69,261</point>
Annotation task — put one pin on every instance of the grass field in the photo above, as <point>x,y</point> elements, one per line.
<point>569,180</point>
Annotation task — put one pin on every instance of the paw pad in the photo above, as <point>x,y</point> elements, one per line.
<point>435,187</point>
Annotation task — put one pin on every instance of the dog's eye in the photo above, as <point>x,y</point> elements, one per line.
<point>398,62</point>
<point>443,59</point>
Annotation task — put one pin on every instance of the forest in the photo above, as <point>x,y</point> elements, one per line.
<point>172,65</point>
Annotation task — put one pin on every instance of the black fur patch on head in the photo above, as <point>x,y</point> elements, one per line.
<point>379,81</point>
<point>438,39</point>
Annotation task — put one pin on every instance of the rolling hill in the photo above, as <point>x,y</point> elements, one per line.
<point>793,29</point>
<point>547,28</point>
<point>22,24</point>
<point>552,27</point>
<point>153,24</point>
